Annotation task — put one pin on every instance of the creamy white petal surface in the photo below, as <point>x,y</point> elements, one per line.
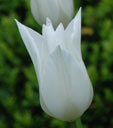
<point>57,10</point>
<point>65,88</point>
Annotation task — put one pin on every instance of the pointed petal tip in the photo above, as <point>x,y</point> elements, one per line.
<point>18,23</point>
<point>79,11</point>
<point>78,15</point>
<point>15,20</point>
<point>74,20</point>
<point>60,27</point>
<point>77,19</point>
<point>48,22</point>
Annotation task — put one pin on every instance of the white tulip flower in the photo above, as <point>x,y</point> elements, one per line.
<point>56,10</point>
<point>65,88</point>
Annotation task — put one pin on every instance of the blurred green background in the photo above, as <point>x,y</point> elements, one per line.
<point>19,99</point>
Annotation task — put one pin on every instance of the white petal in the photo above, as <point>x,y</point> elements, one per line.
<point>67,7</point>
<point>60,36</point>
<point>73,34</point>
<point>66,11</point>
<point>44,107</point>
<point>52,38</point>
<point>60,28</point>
<point>48,37</point>
<point>48,30</point>
<point>45,8</point>
<point>65,86</point>
<point>33,42</point>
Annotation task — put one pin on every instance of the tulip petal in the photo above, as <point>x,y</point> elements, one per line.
<point>73,33</point>
<point>66,11</point>
<point>48,32</point>
<point>65,86</point>
<point>60,28</point>
<point>48,44</point>
<point>52,38</point>
<point>67,8</point>
<point>33,43</point>
<point>50,6</point>
<point>60,36</point>
<point>44,107</point>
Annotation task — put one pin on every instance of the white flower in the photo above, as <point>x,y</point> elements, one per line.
<point>65,88</point>
<point>56,10</point>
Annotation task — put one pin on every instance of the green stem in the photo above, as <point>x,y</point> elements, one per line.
<point>79,123</point>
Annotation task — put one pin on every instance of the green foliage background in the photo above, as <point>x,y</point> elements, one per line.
<point>19,99</point>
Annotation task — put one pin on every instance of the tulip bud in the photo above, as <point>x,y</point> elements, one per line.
<point>56,10</point>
